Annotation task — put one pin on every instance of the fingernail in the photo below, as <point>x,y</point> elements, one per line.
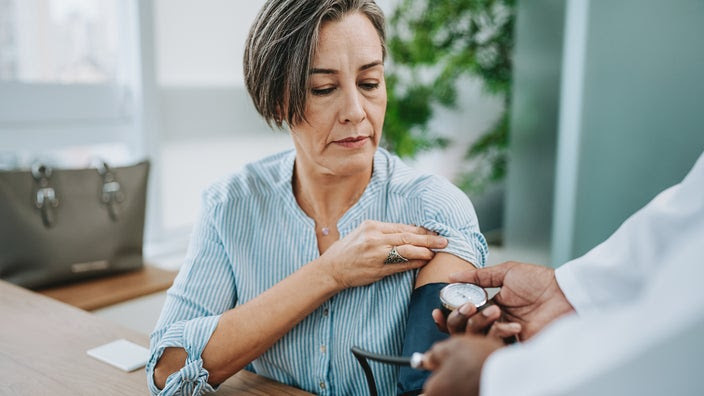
<point>464,310</point>
<point>492,310</point>
<point>514,326</point>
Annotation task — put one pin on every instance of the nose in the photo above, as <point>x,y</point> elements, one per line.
<point>352,110</point>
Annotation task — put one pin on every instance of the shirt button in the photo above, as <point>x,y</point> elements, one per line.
<point>323,349</point>
<point>322,385</point>
<point>325,312</point>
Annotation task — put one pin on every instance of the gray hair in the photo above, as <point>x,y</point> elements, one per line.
<point>280,49</point>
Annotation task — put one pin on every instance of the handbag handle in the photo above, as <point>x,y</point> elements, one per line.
<point>45,199</point>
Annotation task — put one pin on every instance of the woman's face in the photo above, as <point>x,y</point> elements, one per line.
<point>346,100</point>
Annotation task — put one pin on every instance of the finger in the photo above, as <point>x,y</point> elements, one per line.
<point>481,322</point>
<point>485,277</point>
<point>408,238</point>
<point>440,320</point>
<point>415,253</point>
<point>457,320</point>
<point>449,379</point>
<point>396,228</point>
<point>436,384</point>
<point>437,354</point>
<point>430,388</point>
<point>504,329</point>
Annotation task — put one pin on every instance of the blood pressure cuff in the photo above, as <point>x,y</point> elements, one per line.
<point>421,334</point>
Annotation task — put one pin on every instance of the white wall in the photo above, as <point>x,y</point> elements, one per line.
<point>208,127</point>
<point>201,43</point>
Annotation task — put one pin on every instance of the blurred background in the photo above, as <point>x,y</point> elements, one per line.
<point>558,118</point>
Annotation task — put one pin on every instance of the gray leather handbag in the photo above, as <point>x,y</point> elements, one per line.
<point>63,225</point>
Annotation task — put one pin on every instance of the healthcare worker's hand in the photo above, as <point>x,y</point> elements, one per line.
<point>529,293</point>
<point>465,319</point>
<point>457,364</point>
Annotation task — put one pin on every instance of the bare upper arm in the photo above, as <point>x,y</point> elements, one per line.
<point>440,268</point>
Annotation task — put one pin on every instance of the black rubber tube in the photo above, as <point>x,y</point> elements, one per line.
<point>362,357</point>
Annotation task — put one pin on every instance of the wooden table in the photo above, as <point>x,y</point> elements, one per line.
<point>43,344</point>
<point>97,293</point>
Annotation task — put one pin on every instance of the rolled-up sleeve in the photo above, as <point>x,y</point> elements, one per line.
<point>191,335</point>
<point>449,212</point>
<point>202,291</point>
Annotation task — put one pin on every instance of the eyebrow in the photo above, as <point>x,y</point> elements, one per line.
<point>333,71</point>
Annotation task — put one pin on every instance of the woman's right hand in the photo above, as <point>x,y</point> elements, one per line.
<point>358,258</point>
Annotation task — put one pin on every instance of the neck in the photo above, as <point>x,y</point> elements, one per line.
<point>326,197</point>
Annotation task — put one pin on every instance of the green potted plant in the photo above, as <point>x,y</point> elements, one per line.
<point>432,44</point>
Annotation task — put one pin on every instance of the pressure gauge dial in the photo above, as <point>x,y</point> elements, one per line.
<point>456,295</point>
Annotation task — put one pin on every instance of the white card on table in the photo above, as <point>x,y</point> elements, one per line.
<point>122,354</point>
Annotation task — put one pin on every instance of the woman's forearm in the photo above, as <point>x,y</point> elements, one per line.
<point>245,332</point>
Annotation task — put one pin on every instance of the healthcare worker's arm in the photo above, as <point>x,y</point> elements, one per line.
<point>638,294</point>
<point>650,347</point>
<point>614,273</point>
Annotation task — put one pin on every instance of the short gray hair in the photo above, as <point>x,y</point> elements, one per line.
<point>280,49</point>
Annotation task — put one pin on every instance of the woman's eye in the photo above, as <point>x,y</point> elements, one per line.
<point>322,91</point>
<point>369,86</point>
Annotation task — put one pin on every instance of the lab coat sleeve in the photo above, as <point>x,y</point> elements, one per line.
<point>650,348</point>
<point>639,300</point>
<point>618,270</point>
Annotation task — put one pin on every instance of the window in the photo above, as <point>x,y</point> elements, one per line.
<point>67,79</point>
<point>59,41</point>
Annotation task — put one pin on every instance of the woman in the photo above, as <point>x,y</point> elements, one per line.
<point>286,268</point>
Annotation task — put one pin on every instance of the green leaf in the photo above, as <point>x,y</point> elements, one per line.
<point>450,38</point>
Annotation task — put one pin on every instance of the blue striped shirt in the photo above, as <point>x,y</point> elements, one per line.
<point>252,234</point>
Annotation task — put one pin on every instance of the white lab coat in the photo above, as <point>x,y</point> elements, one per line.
<point>639,297</point>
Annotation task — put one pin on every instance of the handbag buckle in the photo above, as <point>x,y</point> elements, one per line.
<point>46,195</point>
<point>111,193</point>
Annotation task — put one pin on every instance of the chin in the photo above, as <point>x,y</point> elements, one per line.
<point>353,163</point>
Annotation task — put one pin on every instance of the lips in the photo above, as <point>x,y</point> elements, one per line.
<point>352,142</point>
<point>351,139</point>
